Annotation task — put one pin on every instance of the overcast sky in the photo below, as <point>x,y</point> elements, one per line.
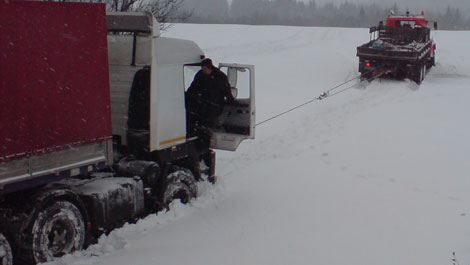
<point>415,6</point>
<point>463,5</point>
<point>425,3</point>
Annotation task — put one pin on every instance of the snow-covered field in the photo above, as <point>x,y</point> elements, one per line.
<point>376,175</point>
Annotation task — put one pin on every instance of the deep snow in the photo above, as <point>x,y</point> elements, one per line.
<point>375,175</point>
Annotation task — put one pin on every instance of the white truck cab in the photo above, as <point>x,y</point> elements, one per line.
<point>172,69</point>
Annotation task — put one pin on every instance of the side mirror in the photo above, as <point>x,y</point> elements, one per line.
<point>435,25</point>
<point>234,91</point>
<point>232,76</point>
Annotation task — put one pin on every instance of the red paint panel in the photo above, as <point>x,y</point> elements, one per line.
<point>54,80</point>
<point>420,21</point>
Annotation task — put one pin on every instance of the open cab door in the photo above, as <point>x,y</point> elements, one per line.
<point>238,118</point>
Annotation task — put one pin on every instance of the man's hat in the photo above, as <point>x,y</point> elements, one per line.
<point>207,63</point>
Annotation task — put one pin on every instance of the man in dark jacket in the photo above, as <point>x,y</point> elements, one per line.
<point>206,97</point>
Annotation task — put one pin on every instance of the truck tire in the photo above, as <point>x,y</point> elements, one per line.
<point>419,70</point>
<point>180,184</point>
<point>58,229</point>
<point>423,73</point>
<point>6,256</point>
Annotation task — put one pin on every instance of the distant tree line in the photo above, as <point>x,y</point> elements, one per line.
<point>298,13</point>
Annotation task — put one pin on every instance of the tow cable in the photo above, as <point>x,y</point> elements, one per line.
<point>326,94</point>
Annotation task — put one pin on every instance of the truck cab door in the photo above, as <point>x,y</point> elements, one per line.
<point>237,119</point>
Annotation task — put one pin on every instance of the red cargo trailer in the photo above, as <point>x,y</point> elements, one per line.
<point>54,90</point>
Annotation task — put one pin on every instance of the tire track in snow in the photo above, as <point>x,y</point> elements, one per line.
<point>314,126</point>
<point>294,41</point>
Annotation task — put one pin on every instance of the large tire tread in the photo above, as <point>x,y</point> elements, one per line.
<point>6,255</point>
<point>179,184</point>
<point>58,229</point>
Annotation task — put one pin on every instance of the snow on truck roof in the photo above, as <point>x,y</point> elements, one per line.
<point>142,22</point>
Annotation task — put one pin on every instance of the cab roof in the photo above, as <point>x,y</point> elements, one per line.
<point>418,19</point>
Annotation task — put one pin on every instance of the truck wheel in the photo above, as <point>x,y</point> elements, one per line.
<point>6,256</point>
<point>422,73</point>
<point>180,184</point>
<point>418,73</point>
<point>59,229</point>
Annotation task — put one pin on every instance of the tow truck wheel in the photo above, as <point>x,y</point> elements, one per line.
<point>422,73</point>
<point>180,184</point>
<point>418,73</point>
<point>6,256</point>
<point>58,229</point>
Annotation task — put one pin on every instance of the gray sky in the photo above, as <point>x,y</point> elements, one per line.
<point>413,5</point>
<point>437,3</point>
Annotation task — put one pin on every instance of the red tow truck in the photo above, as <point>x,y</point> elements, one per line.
<point>400,48</point>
